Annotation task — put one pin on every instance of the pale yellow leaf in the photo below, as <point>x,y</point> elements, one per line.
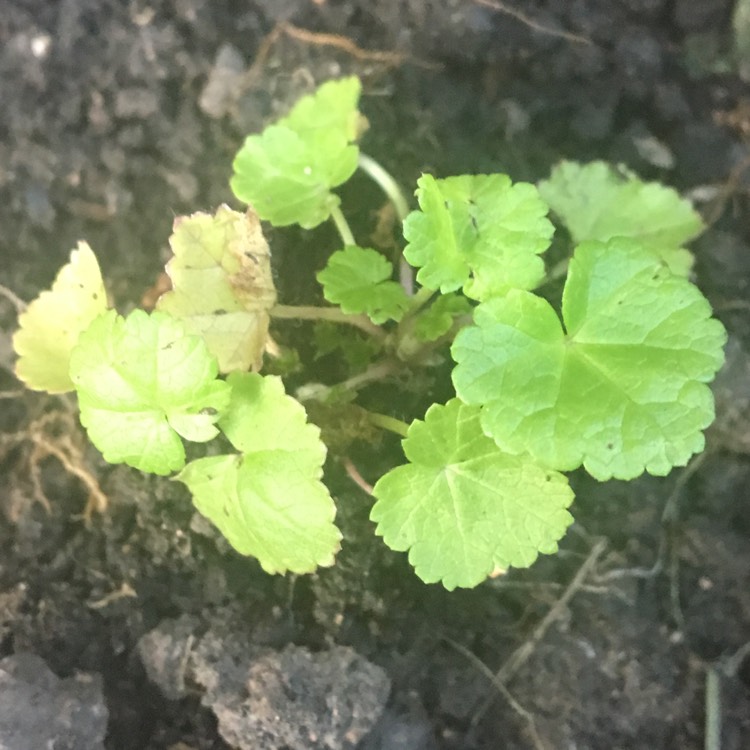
<point>50,325</point>
<point>222,284</point>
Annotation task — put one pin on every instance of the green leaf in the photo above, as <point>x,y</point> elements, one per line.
<point>222,284</point>
<point>287,171</point>
<point>477,231</point>
<point>50,326</point>
<point>356,348</point>
<point>359,281</point>
<point>142,381</point>
<point>623,391</point>
<point>464,508</point>
<point>598,202</point>
<point>438,318</point>
<point>268,501</point>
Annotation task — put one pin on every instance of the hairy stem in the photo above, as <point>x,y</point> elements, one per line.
<point>375,372</point>
<point>388,184</point>
<point>419,300</point>
<point>331,314</point>
<point>388,423</point>
<point>342,226</point>
<point>396,196</point>
<point>712,739</point>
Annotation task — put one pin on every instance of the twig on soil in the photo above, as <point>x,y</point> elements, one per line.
<point>667,557</point>
<point>52,434</point>
<point>496,5</point>
<point>726,190</point>
<point>70,456</point>
<point>522,654</point>
<point>500,584</point>
<point>126,591</point>
<point>668,519</point>
<point>384,57</point>
<point>527,716</point>
<point>345,44</point>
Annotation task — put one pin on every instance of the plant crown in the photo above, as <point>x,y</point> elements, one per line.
<point>616,381</point>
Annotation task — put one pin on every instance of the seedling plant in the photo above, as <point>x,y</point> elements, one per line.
<point>615,381</point>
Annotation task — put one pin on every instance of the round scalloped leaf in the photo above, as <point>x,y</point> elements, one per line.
<point>623,391</point>
<point>222,286</point>
<point>359,281</point>
<point>477,231</point>
<point>50,326</point>
<point>269,501</point>
<point>287,171</point>
<point>142,381</point>
<point>464,508</point>
<point>595,201</point>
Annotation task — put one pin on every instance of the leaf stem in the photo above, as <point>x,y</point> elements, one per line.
<point>712,738</point>
<point>342,226</point>
<point>388,423</point>
<point>392,189</point>
<point>387,183</point>
<point>419,300</point>
<point>374,372</point>
<point>332,314</point>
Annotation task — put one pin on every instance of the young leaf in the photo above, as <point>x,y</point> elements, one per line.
<point>622,391</point>
<point>287,171</point>
<point>462,507</point>
<point>222,284</point>
<point>268,501</point>
<point>597,202</point>
<point>142,381</point>
<point>359,281</point>
<point>438,318</point>
<point>51,324</point>
<point>477,231</point>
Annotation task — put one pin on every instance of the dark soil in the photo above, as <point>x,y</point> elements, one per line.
<point>115,117</point>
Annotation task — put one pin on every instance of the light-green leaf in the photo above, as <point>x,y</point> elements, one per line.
<point>222,287</point>
<point>268,501</point>
<point>595,201</point>
<point>438,318</point>
<point>287,172</point>
<point>463,508</point>
<point>142,381</point>
<point>359,281</point>
<point>50,326</point>
<point>477,231</point>
<point>622,391</point>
